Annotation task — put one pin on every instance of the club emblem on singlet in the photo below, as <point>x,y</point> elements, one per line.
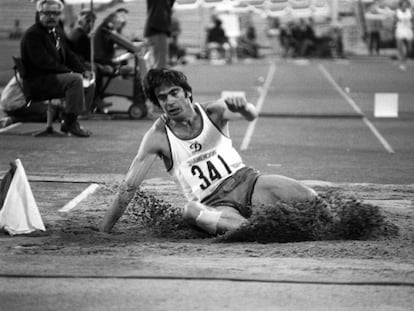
<point>195,147</point>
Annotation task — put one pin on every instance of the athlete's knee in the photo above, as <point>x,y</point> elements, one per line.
<point>309,194</point>
<point>201,216</point>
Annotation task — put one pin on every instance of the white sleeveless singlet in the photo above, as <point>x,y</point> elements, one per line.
<point>200,164</point>
<point>404,27</point>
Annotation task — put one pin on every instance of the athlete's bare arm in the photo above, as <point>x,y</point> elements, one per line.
<point>230,108</point>
<point>241,106</point>
<point>153,144</point>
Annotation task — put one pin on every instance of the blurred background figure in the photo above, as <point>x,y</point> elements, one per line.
<point>273,34</point>
<point>113,52</point>
<point>218,46</point>
<point>287,39</point>
<point>176,51</point>
<point>404,31</point>
<point>105,53</point>
<point>307,39</point>
<point>104,44</point>
<point>17,32</point>
<point>157,30</point>
<point>336,40</point>
<point>122,17</point>
<point>79,36</point>
<point>374,25</point>
<point>247,45</point>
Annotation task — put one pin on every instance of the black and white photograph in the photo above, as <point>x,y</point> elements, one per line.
<point>206,155</point>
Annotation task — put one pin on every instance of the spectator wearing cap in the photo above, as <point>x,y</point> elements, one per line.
<point>52,68</point>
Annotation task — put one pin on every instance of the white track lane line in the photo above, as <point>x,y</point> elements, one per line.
<point>250,129</point>
<point>75,201</point>
<point>351,102</point>
<point>10,127</point>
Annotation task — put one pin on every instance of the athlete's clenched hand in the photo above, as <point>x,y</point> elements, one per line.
<point>236,103</point>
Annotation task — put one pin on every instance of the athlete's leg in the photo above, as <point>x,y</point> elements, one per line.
<point>271,188</point>
<point>213,220</point>
<point>409,47</point>
<point>401,50</point>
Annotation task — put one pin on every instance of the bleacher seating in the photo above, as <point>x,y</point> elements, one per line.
<point>193,21</point>
<point>10,10</point>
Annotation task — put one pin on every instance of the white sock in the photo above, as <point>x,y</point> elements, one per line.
<point>208,220</point>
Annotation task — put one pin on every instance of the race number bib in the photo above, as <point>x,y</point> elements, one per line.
<point>204,171</point>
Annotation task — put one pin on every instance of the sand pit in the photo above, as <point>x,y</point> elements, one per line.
<point>75,233</point>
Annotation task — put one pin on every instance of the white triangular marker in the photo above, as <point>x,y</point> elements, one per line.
<point>20,214</point>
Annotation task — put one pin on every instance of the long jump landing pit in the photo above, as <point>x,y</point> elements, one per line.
<point>72,248</point>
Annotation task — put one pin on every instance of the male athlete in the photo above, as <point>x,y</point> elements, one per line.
<point>193,141</point>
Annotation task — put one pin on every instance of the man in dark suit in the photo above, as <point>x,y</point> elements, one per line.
<point>52,69</point>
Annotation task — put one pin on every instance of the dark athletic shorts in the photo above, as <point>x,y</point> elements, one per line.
<point>235,191</point>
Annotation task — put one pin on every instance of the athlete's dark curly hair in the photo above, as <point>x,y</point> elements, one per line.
<point>163,76</point>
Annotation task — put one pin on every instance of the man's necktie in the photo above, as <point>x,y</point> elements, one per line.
<point>55,38</point>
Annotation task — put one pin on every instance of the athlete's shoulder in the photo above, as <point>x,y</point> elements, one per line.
<point>154,139</point>
<point>159,125</point>
<point>156,131</point>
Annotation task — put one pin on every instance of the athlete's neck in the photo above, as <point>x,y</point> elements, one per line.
<point>188,127</point>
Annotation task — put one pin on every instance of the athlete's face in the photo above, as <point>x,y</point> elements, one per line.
<point>174,101</point>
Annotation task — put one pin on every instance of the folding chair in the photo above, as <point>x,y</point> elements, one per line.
<point>49,131</point>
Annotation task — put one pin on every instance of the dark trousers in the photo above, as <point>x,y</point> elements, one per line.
<point>63,85</point>
<point>77,99</point>
<point>374,42</point>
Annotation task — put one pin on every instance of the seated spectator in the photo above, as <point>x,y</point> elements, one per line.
<point>52,69</point>
<point>308,41</point>
<point>79,40</point>
<point>217,41</point>
<point>105,46</point>
<point>247,45</point>
<point>122,16</point>
<point>107,40</point>
<point>78,37</point>
<point>288,39</point>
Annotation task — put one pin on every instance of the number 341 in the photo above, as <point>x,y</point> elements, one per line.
<point>212,172</point>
